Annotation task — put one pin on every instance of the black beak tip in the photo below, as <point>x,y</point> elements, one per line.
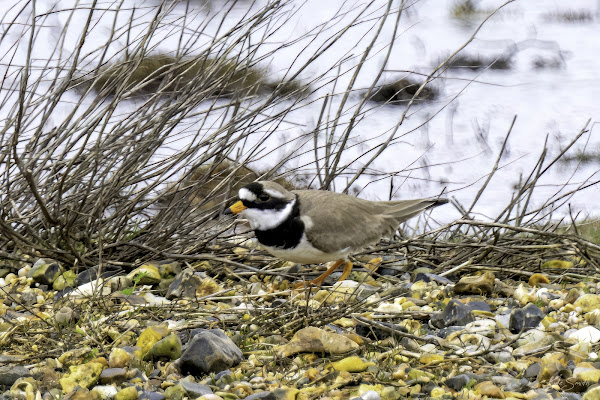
<point>227,211</point>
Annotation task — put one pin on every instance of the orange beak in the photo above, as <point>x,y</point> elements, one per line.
<point>237,207</point>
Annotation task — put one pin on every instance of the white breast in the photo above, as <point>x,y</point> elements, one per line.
<point>305,253</point>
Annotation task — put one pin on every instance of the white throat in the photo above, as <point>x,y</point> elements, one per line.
<point>263,220</point>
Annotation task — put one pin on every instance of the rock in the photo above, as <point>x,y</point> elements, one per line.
<point>351,364</point>
<point>64,280</point>
<point>44,271</point>
<point>592,393</point>
<point>460,381</point>
<point>189,284</point>
<point>85,375</point>
<point>23,388</point>
<point>537,345</point>
<point>105,391</point>
<point>572,296</point>
<point>525,318</point>
<point>587,334</point>
<point>75,356</point>
<point>80,393</point>
<point>511,384</point>
<point>195,389</point>
<point>175,393</point>
<point>552,364</point>
<point>557,264</point>
<point>583,378</point>
<point>370,395</point>
<point>209,351</point>
<point>537,279</point>
<point>487,388</point>
<point>9,374</point>
<point>150,336</point>
<point>532,370</point>
<point>28,299</point>
<point>64,316</point>
<point>588,302</point>
<point>169,347</point>
<point>119,283</point>
<point>261,396</point>
<point>129,393</point>
<point>113,375</point>
<point>455,313</point>
<point>91,275</point>
<point>119,358</point>
<point>315,340</point>
<point>146,274</point>
<point>286,393</point>
<point>476,284</point>
<point>153,396</point>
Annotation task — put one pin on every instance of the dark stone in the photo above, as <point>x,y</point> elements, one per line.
<point>478,306</point>
<point>9,374</point>
<point>195,389</point>
<point>533,370</point>
<point>113,375</point>
<point>152,396</point>
<point>438,279</point>
<point>525,318</point>
<point>209,351</point>
<point>278,303</point>
<point>518,385</point>
<point>44,271</point>
<point>455,313</point>
<point>91,274</point>
<point>261,396</point>
<point>377,333</point>
<point>184,285</point>
<point>422,277</point>
<point>570,396</point>
<point>222,374</point>
<point>459,381</point>
<point>444,332</point>
<point>28,299</point>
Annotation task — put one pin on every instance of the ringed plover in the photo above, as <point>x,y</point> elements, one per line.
<point>318,226</point>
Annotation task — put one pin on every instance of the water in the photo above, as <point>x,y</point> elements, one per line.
<point>448,145</point>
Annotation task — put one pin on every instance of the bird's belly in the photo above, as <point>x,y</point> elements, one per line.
<point>305,253</point>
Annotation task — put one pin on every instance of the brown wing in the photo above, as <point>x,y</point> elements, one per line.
<point>341,221</point>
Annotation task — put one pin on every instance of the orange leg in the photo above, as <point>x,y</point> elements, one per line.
<point>373,264</point>
<point>347,270</point>
<point>318,281</point>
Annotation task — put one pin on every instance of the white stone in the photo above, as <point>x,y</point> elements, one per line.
<point>106,391</point>
<point>587,334</point>
<point>93,288</point>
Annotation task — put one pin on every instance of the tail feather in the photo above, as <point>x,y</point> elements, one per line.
<point>403,211</point>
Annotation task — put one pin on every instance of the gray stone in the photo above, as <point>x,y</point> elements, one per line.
<point>459,381</point>
<point>533,370</point>
<point>9,374</point>
<point>261,396</point>
<point>209,351</point>
<point>525,318</point>
<point>113,375</point>
<point>152,396</point>
<point>195,389</point>
<point>184,285</point>
<point>28,299</point>
<point>455,313</point>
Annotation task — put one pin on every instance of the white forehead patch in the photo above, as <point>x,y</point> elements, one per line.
<point>245,194</point>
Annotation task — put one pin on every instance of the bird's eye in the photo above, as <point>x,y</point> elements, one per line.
<point>264,197</point>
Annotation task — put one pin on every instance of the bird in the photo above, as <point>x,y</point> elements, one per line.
<point>318,226</point>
